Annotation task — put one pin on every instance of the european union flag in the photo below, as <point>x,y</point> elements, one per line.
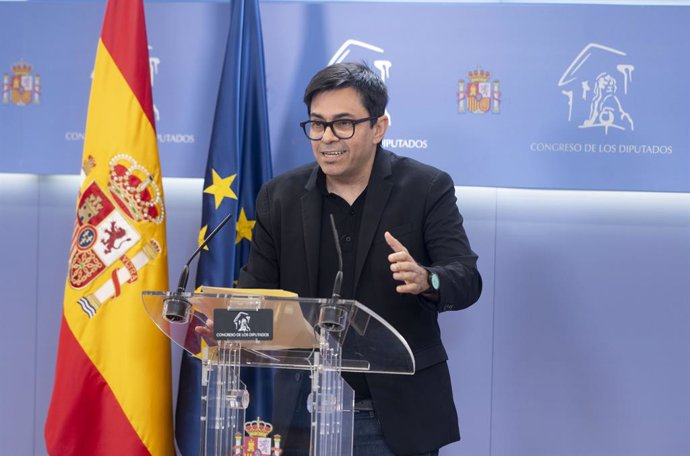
<point>239,162</point>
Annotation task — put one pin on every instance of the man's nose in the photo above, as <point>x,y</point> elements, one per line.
<point>329,135</point>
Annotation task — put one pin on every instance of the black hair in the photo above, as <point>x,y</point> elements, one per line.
<point>359,76</point>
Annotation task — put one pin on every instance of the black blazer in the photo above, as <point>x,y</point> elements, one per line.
<point>417,204</point>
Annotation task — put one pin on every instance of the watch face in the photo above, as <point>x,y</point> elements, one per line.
<point>435,282</point>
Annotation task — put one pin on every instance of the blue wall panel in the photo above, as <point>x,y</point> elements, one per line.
<point>18,329</point>
<point>592,324</point>
<point>468,334</point>
<point>501,95</point>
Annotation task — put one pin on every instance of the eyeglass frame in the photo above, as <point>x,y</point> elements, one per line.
<point>327,125</point>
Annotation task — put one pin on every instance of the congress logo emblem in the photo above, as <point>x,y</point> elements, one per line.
<point>21,87</point>
<point>479,94</point>
<point>595,85</point>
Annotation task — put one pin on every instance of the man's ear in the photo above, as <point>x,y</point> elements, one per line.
<point>380,128</point>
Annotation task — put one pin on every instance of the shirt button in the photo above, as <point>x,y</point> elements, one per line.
<point>348,238</point>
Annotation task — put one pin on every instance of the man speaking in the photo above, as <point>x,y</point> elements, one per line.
<point>405,255</point>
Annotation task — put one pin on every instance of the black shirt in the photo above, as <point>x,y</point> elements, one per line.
<point>347,221</point>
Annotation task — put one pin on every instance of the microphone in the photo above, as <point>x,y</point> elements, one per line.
<point>176,307</point>
<point>337,284</point>
<point>332,317</point>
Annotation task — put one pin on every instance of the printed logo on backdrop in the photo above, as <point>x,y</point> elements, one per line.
<point>174,138</point>
<point>355,50</point>
<point>480,94</point>
<point>21,87</point>
<point>597,85</point>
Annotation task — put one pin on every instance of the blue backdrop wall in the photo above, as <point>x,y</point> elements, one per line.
<point>563,125</point>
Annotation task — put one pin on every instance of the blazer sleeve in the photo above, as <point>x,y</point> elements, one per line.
<point>448,249</point>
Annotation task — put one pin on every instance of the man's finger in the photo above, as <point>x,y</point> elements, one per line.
<point>394,243</point>
<point>399,266</point>
<point>407,288</point>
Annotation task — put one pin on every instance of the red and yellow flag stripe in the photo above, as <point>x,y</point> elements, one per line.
<point>112,393</point>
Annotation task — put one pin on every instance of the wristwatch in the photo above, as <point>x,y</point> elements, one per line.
<point>434,283</point>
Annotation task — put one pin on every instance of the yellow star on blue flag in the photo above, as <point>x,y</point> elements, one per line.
<point>244,227</point>
<point>221,187</point>
<point>202,236</point>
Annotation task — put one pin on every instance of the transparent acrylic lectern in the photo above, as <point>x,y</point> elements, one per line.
<point>251,329</point>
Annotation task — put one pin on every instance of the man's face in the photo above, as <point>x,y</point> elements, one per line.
<point>345,160</point>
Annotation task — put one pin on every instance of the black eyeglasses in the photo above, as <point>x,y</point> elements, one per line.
<point>341,128</point>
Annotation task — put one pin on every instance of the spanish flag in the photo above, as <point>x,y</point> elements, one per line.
<point>112,382</point>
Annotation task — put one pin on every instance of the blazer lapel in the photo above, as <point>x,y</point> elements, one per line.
<point>311,228</point>
<point>378,192</point>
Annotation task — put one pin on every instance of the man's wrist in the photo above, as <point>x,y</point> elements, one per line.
<point>433,292</point>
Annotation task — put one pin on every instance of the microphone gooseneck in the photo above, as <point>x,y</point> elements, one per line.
<point>184,276</point>
<point>176,307</point>
<point>337,284</point>
<point>332,315</point>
